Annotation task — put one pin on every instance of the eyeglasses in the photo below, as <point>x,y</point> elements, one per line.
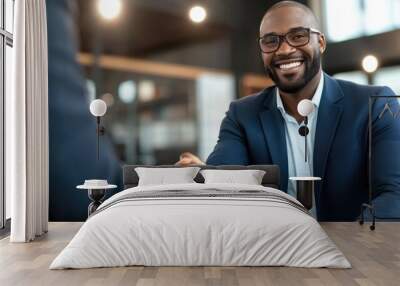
<point>297,37</point>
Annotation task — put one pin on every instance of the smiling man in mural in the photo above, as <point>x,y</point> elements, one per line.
<point>263,128</point>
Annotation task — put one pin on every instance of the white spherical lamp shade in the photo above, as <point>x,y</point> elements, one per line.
<point>98,107</point>
<point>305,107</point>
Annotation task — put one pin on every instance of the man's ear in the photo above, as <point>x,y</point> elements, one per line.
<point>322,43</point>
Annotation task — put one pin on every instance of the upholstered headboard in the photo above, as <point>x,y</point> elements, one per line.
<point>270,179</point>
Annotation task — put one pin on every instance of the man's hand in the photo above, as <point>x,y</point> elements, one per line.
<point>186,159</point>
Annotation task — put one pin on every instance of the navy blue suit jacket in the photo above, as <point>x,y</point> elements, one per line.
<point>252,132</point>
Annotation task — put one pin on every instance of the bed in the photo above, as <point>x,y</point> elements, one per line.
<point>201,224</point>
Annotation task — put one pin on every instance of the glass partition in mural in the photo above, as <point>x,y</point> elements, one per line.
<point>153,119</point>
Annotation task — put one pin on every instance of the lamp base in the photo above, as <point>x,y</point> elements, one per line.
<point>305,190</point>
<point>96,196</point>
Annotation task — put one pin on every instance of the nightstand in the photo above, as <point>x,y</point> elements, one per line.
<point>96,191</point>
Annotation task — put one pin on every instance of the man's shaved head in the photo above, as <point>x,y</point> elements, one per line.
<point>292,67</point>
<point>314,23</point>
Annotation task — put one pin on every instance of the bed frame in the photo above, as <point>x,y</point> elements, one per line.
<point>270,179</point>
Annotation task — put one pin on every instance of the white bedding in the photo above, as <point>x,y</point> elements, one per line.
<point>183,231</point>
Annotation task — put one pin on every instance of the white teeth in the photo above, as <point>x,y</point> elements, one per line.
<point>289,66</point>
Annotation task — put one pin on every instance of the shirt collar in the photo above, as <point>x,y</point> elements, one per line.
<point>316,99</point>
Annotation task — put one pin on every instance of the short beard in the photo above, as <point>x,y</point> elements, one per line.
<point>310,71</point>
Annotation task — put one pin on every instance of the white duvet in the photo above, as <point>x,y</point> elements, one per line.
<point>190,231</point>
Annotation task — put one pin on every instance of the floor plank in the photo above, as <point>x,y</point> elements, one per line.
<point>374,255</point>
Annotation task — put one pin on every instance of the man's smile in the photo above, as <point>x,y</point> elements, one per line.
<point>289,65</point>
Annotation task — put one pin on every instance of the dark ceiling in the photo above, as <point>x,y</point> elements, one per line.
<point>148,28</point>
<point>142,30</point>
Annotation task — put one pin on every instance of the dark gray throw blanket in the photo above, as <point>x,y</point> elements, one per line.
<point>198,194</point>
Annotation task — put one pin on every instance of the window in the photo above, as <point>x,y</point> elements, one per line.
<point>6,44</point>
<point>390,77</point>
<point>348,19</point>
<point>354,76</point>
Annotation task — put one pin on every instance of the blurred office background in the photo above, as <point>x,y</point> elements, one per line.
<point>168,80</point>
<point>168,72</point>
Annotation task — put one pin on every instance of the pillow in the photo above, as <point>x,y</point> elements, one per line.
<point>163,176</point>
<point>248,177</point>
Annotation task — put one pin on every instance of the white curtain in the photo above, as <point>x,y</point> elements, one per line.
<point>27,124</point>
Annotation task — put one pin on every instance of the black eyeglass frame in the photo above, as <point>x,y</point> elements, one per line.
<point>283,37</point>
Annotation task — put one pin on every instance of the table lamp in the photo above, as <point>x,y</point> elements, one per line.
<point>305,185</point>
<point>305,108</point>
<point>98,108</point>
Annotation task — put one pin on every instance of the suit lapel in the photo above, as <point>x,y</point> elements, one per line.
<point>274,133</point>
<point>329,113</point>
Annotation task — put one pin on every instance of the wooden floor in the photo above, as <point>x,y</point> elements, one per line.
<point>375,257</point>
